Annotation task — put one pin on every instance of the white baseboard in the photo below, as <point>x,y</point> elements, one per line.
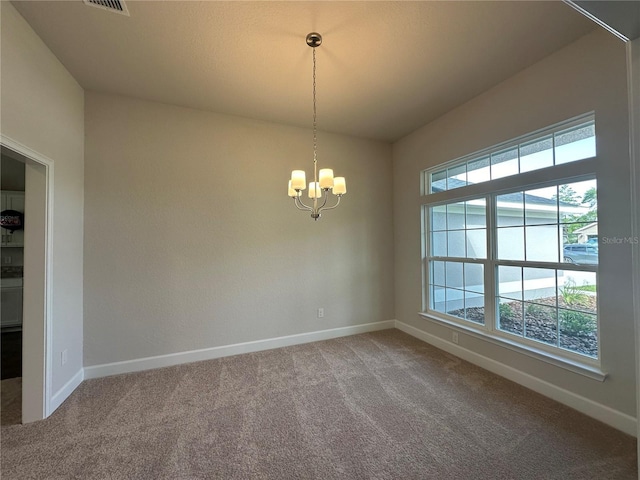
<point>62,394</point>
<point>160,361</point>
<point>614,418</point>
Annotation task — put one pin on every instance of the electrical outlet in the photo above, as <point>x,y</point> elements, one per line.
<point>63,356</point>
<point>321,313</point>
<point>454,337</point>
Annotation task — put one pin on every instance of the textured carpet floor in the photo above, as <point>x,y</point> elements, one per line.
<point>381,405</point>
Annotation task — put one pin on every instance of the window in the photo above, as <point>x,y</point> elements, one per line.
<point>570,142</point>
<point>510,242</point>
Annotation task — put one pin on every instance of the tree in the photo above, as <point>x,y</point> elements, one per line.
<point>574,222</point>
<point>566,194</point>
<point>590,198</point>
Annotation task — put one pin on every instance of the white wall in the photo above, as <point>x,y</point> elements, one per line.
<point>43,109</point>
<point>191,241</point>
<point>587,75</point>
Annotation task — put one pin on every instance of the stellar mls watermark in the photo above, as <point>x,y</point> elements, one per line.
<point>619,240</point>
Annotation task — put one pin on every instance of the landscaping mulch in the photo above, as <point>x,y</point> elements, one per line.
<point>540,324</point>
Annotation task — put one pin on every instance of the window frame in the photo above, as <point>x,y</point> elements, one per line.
<point>576,171</point>
<point>515,143</point>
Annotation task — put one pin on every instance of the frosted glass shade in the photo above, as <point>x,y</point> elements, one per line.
<point>298,180</point>
<point>292,191</point>
<point>339,186</point>
<point>326,178</point>
<point>314,190</point>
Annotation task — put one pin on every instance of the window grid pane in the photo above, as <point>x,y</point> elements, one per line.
<point>457,289</point>
<point>562,145</point>
<point>536,154</point>
<point>549,305</point>
<point>458,230</point>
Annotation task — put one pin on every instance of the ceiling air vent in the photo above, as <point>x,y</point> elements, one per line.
<point>116,6</point>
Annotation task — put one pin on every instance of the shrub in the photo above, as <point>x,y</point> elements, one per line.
<point>535,310</point>
<point>506,311</point>
<point>573,294</point>
<point>576,323</point>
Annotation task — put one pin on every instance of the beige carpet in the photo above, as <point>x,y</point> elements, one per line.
<point>381,406</point>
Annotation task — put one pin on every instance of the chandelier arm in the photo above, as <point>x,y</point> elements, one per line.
<point>334,206</point>
<point>326,197</point>
<point>301,206</point>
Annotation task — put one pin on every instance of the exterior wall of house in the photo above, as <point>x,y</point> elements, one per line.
<point>191,241</point>
<point>539,240</point>
<point>588,233</point>
<point>588,75</point>
<point>43,109</point>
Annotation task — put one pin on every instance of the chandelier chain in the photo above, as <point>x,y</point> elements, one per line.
<point>315,125</point>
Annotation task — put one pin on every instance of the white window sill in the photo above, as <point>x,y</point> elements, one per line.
<point>575,366</point>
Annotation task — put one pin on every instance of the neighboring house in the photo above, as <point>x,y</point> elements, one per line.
<point>588,233</point>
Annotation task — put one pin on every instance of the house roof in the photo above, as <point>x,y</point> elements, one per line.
<point>516,199</point>
<point>591,228</point>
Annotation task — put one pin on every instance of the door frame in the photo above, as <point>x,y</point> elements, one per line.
<point>37,351</point>
<point>633,72</point>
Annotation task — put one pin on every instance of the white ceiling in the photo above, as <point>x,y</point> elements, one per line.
<point>384,68</point>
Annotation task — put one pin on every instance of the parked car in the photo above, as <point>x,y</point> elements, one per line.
<point>581,253</point>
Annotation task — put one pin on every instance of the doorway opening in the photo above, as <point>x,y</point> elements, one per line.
<point>12,186</point>
<point>25,255</point>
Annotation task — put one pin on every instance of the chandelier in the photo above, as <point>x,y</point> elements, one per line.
<point>325,181</point>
